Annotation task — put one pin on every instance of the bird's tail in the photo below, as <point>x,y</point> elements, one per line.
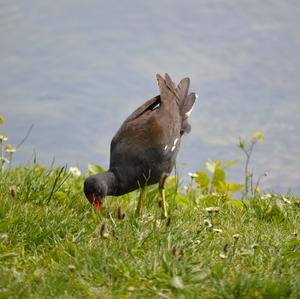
<point>184,100</point>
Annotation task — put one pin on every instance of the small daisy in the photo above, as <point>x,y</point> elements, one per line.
<point>218,230</point>
<point>223,256</point>
<point>9,149</point>
<point>266,196</point>
<point>212,209</point>
<point>193,175</point>
<point>75,171</point>
<point>3,138</point>
<point>207,223</point>
<point>236,236</point>
<point>4,160</point>
<point>254,245</point>
<point>3,236</point>
<point>286,200</point>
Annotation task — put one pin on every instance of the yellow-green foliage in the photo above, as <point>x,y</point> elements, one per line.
<point>54,245</point>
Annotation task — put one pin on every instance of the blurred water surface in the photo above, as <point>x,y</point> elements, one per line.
<point>75,69</point>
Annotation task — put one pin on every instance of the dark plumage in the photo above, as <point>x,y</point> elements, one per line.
<point>146,145</point>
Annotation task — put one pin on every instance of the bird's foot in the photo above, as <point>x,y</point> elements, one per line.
<point>162,195</point>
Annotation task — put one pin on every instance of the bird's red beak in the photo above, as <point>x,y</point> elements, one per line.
<point>96,201</point>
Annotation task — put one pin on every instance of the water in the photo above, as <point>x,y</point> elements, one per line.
<point>76,69</point>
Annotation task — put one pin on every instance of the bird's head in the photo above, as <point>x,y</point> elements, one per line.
<point>95,190</point>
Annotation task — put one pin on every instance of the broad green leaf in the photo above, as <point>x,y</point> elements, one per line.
<point>210,166</point>
<point>221,187</point>
<point>202,180</point>
<point>234,187</point>
<point>237,203</point>
<point>230,163</point>
<point>218,163</point>
<point>95,169</point>
<point>218,177</point>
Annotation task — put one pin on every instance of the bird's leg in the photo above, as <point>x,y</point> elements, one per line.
<point>140,203</point>
<point>162,199</point>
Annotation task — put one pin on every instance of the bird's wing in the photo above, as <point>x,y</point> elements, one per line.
<point>148,105</point>
<point>137,129</point>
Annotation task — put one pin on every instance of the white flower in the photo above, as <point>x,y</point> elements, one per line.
<point>3,236</point>
<point>286,200</point>
<point>222,256</point>
<point>236,236</point>
<point>9,149</point>
<point>105,235</point>
<point>266,196</point>
<point>217,230</point>
<point>4,160</point>
<point>3,138</point>
<point>74,171</point>
<point>207,223</point>
<point>193,175</point>
<point>254,245</point>
<point>212,209</point>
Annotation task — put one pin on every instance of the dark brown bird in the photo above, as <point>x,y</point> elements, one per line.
<point>146,145</point>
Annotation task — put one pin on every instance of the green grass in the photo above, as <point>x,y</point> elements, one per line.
<point>54,245</point>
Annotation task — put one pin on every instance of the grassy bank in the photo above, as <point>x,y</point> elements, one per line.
<point>53,244</point>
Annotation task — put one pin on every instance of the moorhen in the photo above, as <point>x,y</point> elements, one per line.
<point>144,149</point>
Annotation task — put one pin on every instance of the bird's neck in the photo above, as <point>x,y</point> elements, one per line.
<point>111,182</point>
